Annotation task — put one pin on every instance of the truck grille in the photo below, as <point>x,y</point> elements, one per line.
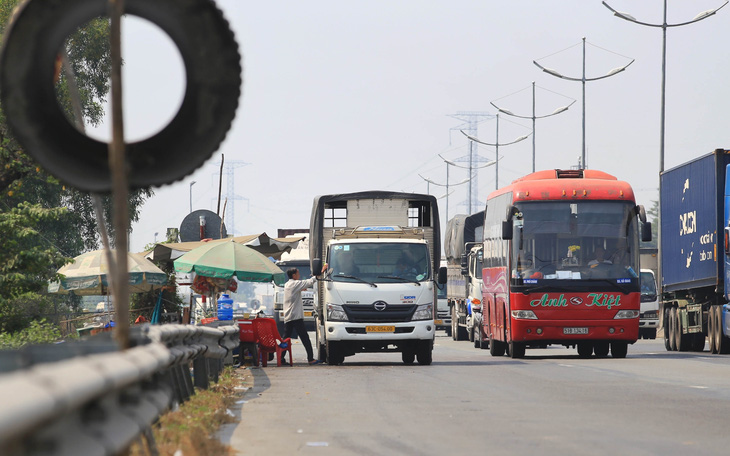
<point>393,313</point>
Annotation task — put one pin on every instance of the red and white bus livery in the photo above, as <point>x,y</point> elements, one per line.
<point>561,262</point>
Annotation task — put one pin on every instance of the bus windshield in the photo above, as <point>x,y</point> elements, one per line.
<point>379,262</point>
<point>575,240</point>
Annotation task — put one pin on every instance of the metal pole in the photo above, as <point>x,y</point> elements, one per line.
<point>447,192</point>
<point>533,126</point>
<point>583,152</point>
<point>661,160</point>
<point>496,158</point>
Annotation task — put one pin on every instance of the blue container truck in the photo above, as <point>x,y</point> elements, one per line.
<point>695,254</point>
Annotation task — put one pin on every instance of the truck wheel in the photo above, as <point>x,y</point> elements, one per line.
<point>585,349</point>
<point>334,354</point>
<point>471,333</point>
<point>601,349</point>
<point>698,342</point>
<point>496,347</point>
<point>425,353</point>
<point>454,323</point>
<point>619,349</point>
<point>673,329</point>
<point>321,348</point>
<point>447,330</point>
<point>408,356</point>
<point>666,330</point>
<point>722,343</point>
<point>711,329</point>
<point>650,333</point>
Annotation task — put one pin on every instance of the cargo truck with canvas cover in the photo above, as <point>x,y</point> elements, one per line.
<point>561,264</point>
<point>379,293</point>
<point>695,265</point>
<point>463,251</point>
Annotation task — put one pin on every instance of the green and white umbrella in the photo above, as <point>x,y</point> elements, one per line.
<point>88,275</point>
<point>223,260</point>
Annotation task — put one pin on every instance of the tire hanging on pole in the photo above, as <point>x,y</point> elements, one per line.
<point>212,64</point>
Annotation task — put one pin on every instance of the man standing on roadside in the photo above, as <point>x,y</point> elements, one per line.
<point>294,309</point>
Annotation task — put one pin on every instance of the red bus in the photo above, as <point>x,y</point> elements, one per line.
<point>561,263</point>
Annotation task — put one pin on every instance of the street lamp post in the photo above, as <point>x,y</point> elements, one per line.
<point>471,169</point>
<point>429,181</point>
<point>496,150</point>
<point>534,118</point>
<point>583,80</point>
<point>664,26</point>
<point>191,196</point>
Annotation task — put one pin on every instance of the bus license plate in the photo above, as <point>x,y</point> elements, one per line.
<point>575,330</point>
<point>380,329</point>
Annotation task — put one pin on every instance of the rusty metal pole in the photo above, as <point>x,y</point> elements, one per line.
<point>117,164</point>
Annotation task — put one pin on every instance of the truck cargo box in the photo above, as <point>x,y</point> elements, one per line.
<point>692,221</point>
<point>461,229</point>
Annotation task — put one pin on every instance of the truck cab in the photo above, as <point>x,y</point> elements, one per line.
<point>649,313</point>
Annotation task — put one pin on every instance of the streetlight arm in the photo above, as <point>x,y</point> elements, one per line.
<point>555,73</point>
<point>699,17</point>
<point>500,144</point>
<point>612,72</point>
<point>557,111</point>
<point>449,162</point>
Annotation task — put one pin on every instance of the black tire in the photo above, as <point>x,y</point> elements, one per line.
<point>711,329</point>
<point>601,349</point>
<point>723,344</point>
<point>496,347</point>
<point>454,323</point>
<point>424,354</point>
<point>585,349</point>
<point>650,333</point>
<point>478,337</point>
<point>31,43</point>
<point>666,329</point>
<point>517,350</point>
<point>335,354</point>
<point>470,332</point>
<point>619,349</point>
<point>672,329</point>
<point>697,343</point>
<point>321,348</point>
<point>684,341</point>
<point>447,330</point>
<point>408,356</point>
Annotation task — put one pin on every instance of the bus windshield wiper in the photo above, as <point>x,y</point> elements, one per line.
<point>402,279</point>
<point>344,276</point>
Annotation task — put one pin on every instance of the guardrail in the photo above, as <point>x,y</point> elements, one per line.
<point>89,398</point>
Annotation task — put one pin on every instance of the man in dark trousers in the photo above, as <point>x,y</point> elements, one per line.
<point>294,310</point>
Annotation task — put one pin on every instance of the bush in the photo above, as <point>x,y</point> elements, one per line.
<point>39,332</point>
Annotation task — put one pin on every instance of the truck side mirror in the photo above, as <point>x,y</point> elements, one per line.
<point>507,230</point>
<point>317,266</point>
<point>442,275</point>
<point>646,232</point>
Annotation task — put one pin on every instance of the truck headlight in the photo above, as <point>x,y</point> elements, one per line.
<point>524,315</point>
<point>423,312</point>
<point>336,313</point>
<point>623,314</point>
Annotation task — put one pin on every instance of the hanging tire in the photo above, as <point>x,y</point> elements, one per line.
<point>619,349</point>
<point>213,85</point>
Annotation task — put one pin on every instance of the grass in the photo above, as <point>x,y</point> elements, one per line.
<point>190,430</point>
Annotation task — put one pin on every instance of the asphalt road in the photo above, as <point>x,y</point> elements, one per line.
<point>551,402</point>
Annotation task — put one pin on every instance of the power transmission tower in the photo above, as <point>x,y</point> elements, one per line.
<point>230,209</point>
<point>471,120</point>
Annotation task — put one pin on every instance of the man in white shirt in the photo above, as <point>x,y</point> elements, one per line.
<point>294,309</point>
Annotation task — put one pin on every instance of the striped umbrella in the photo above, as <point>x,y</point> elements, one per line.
<point>88,275</point>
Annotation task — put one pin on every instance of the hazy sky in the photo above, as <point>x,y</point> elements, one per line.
<point>342,96</point>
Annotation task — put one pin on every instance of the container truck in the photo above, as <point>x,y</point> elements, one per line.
<point>561,264</point>
<point>379,292</point>
<point>464,274</point>
<point>694,201</point>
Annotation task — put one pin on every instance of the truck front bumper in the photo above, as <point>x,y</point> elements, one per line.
<point>412,330</point>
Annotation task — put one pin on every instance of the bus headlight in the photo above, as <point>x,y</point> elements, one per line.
<point>423,312</point>
<point>336,313</point>
<point>623,314</point>
<point>524,315</point>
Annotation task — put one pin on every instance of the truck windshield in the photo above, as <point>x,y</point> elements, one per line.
<point>648,284</point>
<point>577,241</point>
<point>379,262</point>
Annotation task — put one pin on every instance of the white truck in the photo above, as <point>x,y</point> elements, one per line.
<point>379,292</point>
<point>649,306</point>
